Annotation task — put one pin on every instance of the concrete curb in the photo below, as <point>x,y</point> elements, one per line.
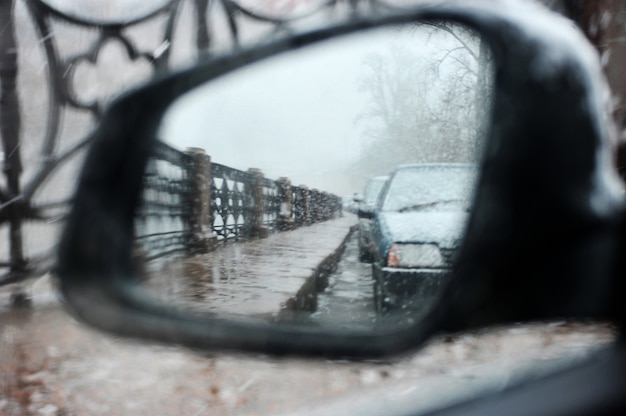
<point>306,297</point>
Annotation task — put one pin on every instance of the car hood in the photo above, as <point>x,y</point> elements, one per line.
<point>443,228</point>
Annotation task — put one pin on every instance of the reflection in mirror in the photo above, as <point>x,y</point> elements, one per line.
<point>328,186</point>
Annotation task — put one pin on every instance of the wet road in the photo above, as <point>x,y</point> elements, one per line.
<point>264,278</point>
<point>348,300</point>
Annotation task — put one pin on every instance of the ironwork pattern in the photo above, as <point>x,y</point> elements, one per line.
<point>163,222</point>
<point>160,223</point>
<point>230,203</point>
<point>271,200</point>
<point>18,199</point>
<point>18,194</point>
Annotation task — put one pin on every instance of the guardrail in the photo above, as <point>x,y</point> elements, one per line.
<point>191,204</point>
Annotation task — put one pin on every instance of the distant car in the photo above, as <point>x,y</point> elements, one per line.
<point>416,226</point>
<point>368,201</point>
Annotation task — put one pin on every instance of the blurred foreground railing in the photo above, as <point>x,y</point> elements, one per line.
<point>60,64</point>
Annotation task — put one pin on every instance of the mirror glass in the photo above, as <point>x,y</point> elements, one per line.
<point>327,186</point>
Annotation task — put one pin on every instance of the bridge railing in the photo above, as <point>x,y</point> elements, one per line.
<point>161,224</point>
<point>191,204</point>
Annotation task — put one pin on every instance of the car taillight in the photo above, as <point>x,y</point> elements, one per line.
<point>392,256</point>
<point>407,255</point>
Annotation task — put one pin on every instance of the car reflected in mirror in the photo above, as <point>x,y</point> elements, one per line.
<point>417,226</point>
<point>373,187</point>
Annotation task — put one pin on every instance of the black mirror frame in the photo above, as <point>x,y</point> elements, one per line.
<point>95,263</point>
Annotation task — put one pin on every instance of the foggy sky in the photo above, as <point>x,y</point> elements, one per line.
<point>293,115</point>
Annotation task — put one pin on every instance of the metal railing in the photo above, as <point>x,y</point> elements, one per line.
<point>191,204</point>
<point>160,223</point>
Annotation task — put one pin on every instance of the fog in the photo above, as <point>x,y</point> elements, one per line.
<point>302,115</point>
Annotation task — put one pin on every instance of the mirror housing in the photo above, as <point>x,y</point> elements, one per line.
<point>547,191</point>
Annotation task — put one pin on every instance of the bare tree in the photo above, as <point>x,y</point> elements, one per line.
<point>431,107</point>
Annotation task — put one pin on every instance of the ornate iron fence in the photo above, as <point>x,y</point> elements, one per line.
<point>161,225</point>
<point>241,204</point>
<point>230,201</point>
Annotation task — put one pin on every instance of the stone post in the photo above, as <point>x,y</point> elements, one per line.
<point>285,220</point>
<point>254,219</point>
<point>202,238</point>
<point>306,204</point>
<point>324,206</point>
<point>315,205</point>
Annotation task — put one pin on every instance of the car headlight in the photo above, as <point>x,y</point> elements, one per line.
<point>414,255</point>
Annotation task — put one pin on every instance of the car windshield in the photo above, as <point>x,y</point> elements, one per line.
<point>418,187</point>
<point>373,188</point>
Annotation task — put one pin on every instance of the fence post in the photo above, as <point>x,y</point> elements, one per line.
<point>10,124</point>
<point>285,220</point>
<point>305,194</point>
<point>315,206</point>
<point>256,228</point>
<point>198,217</point>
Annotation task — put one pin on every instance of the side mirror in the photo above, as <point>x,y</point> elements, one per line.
<point>541,240</point>
<point>358,198</point>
